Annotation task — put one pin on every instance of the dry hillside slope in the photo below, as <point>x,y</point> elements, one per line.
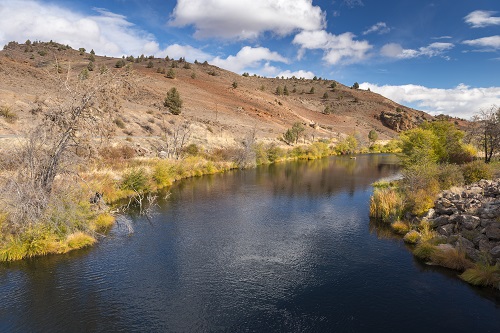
<point>219,113</point>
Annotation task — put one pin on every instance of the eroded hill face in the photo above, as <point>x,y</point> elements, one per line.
<point>221,107</point>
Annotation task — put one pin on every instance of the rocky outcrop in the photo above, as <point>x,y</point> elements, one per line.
<point>398,121</point>
<point>469,218</point>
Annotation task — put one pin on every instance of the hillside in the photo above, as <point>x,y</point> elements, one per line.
<point>219,114</point>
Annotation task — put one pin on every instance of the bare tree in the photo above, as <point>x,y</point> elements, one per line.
<point>66,129</point>
<point>175,137</point>
<point>486,131</point>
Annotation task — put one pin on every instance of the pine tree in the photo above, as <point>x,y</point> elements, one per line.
<point>173,101</point>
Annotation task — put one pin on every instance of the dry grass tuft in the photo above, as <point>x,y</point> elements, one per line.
<point>412,237</point>
<point>451,258</point>
<point>386,204</point>
<point>400,227</point>
<point>79,240</point>
<point>483,275</point>
<point>424,250</point>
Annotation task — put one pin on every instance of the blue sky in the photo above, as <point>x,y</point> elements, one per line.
<point>438,56</point>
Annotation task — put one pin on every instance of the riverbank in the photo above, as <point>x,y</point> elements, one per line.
<point>461,230</point>
<point>72,221</point>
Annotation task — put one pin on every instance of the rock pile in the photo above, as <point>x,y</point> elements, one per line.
<point>469,218</point>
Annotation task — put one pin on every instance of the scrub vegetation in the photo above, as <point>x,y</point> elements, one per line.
<point>436,157</point>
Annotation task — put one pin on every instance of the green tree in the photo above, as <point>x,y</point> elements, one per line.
<point>90,66</point>
<point>312,90</point>
<point>279,90</point>
<point>347,145</point>
<point>81,50</point>
<point>173,101</point>
<point>235,84</point>
<point>355,85</point>
<point>92,52</point>
<point>285,91</point>
<point>293,134</point>
<point>325,95</point>
<point>372,136</point>
<point>171,73</point>
<point>150,64</point>
<point>333,85</point>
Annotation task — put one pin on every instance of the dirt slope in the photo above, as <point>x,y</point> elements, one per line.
<point>219,114</point>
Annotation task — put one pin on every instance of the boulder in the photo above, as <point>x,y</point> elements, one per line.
<point>495,252</point>
<point>446,230</point>
<point>440,221</point>
<point>493,232</point>
<point>468,222</point>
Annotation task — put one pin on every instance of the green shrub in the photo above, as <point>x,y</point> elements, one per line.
<point>450,175</point>
<point>135,180</point>
<point>164,173</point>
<point>191,150</point>
<point>475,171</point>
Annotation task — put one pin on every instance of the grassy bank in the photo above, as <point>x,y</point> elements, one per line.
<point>71,222</point>
<point>434,159</point>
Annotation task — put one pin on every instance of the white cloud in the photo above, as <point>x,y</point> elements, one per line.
<point>487,42</point>
<point>247,19</point>
<point>297,74</point>
<point>462,101</point>
<point>188,52</point>
<point>338,48</point>
<point>248,57</point>
<point>482,18</point>
<point>442,37</point>
<point>106,32</point>
<point>394,50</point>
<point>380,28</point>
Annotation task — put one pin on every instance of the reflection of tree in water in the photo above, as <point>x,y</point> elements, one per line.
<point>330,175</point>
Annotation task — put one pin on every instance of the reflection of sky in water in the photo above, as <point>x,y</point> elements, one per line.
<point>280,248</point>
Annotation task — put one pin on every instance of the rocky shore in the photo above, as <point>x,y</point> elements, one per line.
<point>469,218</point>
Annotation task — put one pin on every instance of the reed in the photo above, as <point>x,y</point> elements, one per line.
<point>386,204</point>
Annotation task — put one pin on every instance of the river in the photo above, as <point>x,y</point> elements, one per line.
<point>280,248</point>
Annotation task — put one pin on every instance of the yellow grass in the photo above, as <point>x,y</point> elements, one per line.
<point>386,204</point>
<point>400,227</point>
<point>412,237</point>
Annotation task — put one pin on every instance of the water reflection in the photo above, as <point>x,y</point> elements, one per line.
<point>279,248</point>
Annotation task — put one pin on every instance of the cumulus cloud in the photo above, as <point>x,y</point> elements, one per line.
<point>106,32</point>
<point>394,50</point>
<point>482,18</point>
<point>247,19</point>
<point>297,74</point>
<point>338,48</point>
<point>462,101</point>
<point>186,51</point>
<point>248,57</point>
<point>380,28</point>
<point>492,42</point>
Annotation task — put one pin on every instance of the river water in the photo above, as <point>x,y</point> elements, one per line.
<point>281,248</point>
